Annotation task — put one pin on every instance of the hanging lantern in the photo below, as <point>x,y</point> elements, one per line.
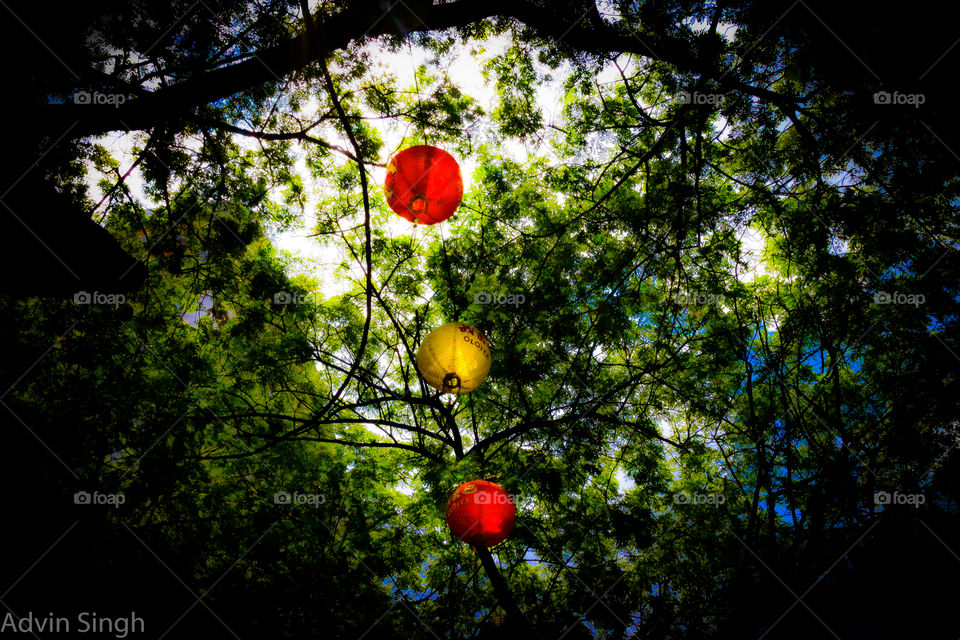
<point>454,358</point>
<point>481,512</point>
<point>423,184</point>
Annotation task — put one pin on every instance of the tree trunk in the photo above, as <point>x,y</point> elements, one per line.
<point>501,589</point>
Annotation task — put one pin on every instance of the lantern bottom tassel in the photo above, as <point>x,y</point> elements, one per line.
<point>451,381</point>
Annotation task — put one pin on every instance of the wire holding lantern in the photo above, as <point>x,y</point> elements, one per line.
<point>424,184</point>
<point>481,513</point>
<point>454,358</point>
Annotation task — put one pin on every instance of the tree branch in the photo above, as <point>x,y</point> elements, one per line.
<point>338,31</point>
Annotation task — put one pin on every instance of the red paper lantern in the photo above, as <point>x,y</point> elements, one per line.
<point>423,184</point>
<point>481,512</point>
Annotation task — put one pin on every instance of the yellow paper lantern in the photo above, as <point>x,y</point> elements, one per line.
<point>454,358</point>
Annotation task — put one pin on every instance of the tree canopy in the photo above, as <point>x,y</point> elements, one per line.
<point>718,272</point>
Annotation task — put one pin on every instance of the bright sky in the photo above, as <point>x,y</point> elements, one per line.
<point>464,70</point>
